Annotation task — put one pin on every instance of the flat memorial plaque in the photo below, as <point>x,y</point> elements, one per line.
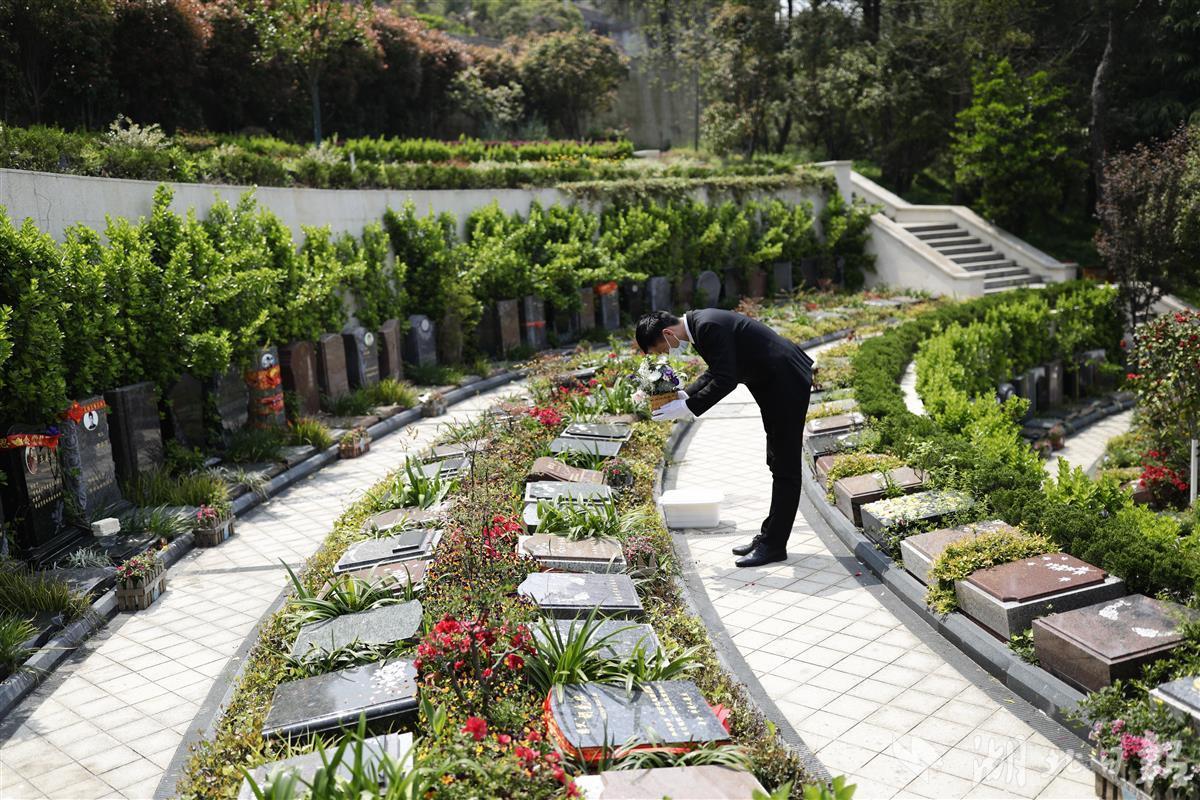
<point>567,596</point>
<point>595,447</point>
<point>838,423</point>
<point>551,469</point>
<point>398,573</point>
<point>403,518</point>
<point>382,625</point>
<point>622,637</point>
<point>703,782</point>
<point>1182,697</point>
<point>585,555</point>
<point>921,551</point>
<point>446,467</point>
<point>661,713</point>
<point>1039,576</point>
<point>852,492</point>
<point>596,430</point>
<point>397,746</point>
<point>383,692</point>
<point>452,449</point>
<point>402,547</point>
<point>911,508</point>
<point>554,491</point>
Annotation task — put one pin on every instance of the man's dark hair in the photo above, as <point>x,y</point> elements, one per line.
<point>650,328</point>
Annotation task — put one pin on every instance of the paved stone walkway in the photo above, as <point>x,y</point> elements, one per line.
<point>110,720</point>
<point>1086,448</point>
<point>867,694</point>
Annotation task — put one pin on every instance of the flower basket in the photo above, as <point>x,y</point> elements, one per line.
<point>1112,785</point>
<point>433,404</point>
<point>211,535</point>
<point>656,381</point>
<point>141,580</point>
<point>657,401</point>
<point>354,443</point>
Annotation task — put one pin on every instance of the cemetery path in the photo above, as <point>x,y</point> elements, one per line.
<point>1085,448</point>
<point>875,692</point>
<point>116,718</point>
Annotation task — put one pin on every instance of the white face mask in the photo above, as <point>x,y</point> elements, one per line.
<point>678,349</point>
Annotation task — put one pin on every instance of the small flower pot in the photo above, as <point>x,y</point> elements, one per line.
<point>433,407</point>
<point>354,449</point>
<point>213,535</point>
<point>141,594</point>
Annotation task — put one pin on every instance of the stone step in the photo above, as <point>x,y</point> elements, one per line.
<point>982,258</point>
<point>963,250</point>
<point>984,266</point>
<point>930,228</point>
<point>1036,284</point>
<point>1007,272</point>
<point>1008,283</point>
<point>939,236</point>
<point>956,239</point>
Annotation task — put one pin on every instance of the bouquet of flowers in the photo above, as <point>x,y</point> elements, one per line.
<point>655,379</point>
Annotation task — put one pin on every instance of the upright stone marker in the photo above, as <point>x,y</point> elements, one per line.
<point>781,277</point>
<point>331,366</point>
<point>264,380</point>
<point>685,290</point>
<point>610,306</point>
<point>185,412</point>
<point>136,429</point>
<point>298,366</point>
<point>33,491</point>
<point>391,362</point>
<point>731,284</point>
<point>508,318</point>
<point>382,692</point>
<point>533,322</point>
<point>708,289</point>
<point>587,308</point>
<point>810,271</point>
<point>568,596</point>
<point>1054,384</point>
<point>362,358</point>
<point>658,294</point>
<point>89,473</point>
<point>232,403</point>
<point>420,343</point>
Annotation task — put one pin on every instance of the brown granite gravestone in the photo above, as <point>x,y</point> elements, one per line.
<point>1093,646</point>
<point>331,366</point>
<point>551,469</point>
<point>391,362</point>
<point>1006,598</point>
<point>852,492</point>
<point>822,467</point>
<point>298,363</point>
<point>585,555</point>
<point>838,423</point>
<point>921,551</point>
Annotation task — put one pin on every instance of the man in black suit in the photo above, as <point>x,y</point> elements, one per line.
<point>739,349</point>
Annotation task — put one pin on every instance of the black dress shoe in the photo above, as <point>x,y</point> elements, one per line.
<point>743,549</point>
<point>761,555</point>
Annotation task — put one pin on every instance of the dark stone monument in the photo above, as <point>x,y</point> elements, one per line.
<point>1182,697</point>
<point>1041,388</point>
<point>567,596</point>
<point>597,430</point>
<point>658,294</point>
<point>633,299</point>
<point>685,290</point>
<point>406,546</point>
<point>731,284</point>
<point>781,277</point>
<point>1054,384</point>
<point>756,283</point>
<point>264,380</point>
<point>420,343</point>
<point>659,713</point>
<point>362,357</point>
<point>708,289</point>
<point>231,402</point>
<point>89,473</point>
<point>391,362</point>
<point>304,768</point>
<point>33,496</point>
<point>376,626</point>
<point>298,366</point>
<point>920,551</point>
<point>403,519</point>
<point>810,271</point>
<point>533,322</point>
<point>136,429</point>
<point>185,412</point>
<point>597,447</point>
<point>854,491</point>
<point>587,309</point>
<point>622,637</point>
<point>551,469</point>
<point>398,574</point>
<point>838,423</point>
<point>382,692</point>
<point>1006,598</point>
<point>508,320</point>
<point>610,306</point>
<point>1093,646</point>
<point>331,366</point>
<point>584,555</point>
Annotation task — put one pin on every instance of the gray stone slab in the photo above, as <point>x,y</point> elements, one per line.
<point>708,289</point>
<point>298,368</point>
<point>554,491</point>
<point>609,314</point>
<point>666,713</point>
<point>566,596</point>
<point>851,493</point>
<point>397,746</point>
<point>597,447</point>
<point>621,638</point>
<point>881,515</point>
<point>838,423</point>
<point>1182,697</point>
<point>658,294</point>
<point>551,469</point>
<point>415,544</point>
<point>382,625</point>
<point>585,555</point>
<point>921,551</point>
<point>597,430</point>
<point>533,322</point>
<point>382,692</point>
<point>781,277</point>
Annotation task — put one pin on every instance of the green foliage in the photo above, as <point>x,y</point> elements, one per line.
<point>160,521</point>
<point>344,595</point>
<point>987,549</point>
<point>162,488</point>
<point>846,465</point>
<point>379,287</point>
<point>846,229</point>
<point>576,521</point>
<point>1147,550</point>
<point>309,431</point>
<point>411,487</point>
<point>422,245</point>
<point>14,632</point>
<point>254,445</point>
<point>570,73</point>
<point>25,594</point>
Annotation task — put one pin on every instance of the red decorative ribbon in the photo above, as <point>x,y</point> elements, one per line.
<point>536,323</point>
<point>77,412</point>
<point>606,288</point>
<point>29,440</point>
<point>272,403</point>
<point>263,378</point>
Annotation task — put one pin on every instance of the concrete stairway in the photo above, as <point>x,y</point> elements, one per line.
<point>956,243</point>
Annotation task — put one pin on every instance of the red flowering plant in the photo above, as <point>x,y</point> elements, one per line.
<point>1168,486</point>
<point>547,416</point>
<point>478,761</point>
<point>139,568</point>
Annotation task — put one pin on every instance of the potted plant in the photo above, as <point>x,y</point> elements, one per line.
<point>618,474</point>
<point>656,380</point>
<point>213,526</point>
<point>640,557</point>
<point>1058,436</point>
<point>140,581</point>
<point>433,404</point>
<point>354,442</point>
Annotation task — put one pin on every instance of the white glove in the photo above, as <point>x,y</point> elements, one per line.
<point>676,409</point>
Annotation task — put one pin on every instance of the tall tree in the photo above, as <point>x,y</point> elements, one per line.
<point>570,74</point>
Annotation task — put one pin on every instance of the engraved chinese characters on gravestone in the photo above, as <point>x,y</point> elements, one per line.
<point>589,716</point>
<point>420,343</point>
<point>331,366</point>
<point>298,365</point>
<point>33,489</point>
<point>135,429</point>
<point>404,546</point>
<point>89,473</point>
<point>362,357</point>
<point>381,692</point>
<point>376,626</point>
<point>551,469</point>
<point>584,555</point>
<point>565,595</point>
<point>391,363</point>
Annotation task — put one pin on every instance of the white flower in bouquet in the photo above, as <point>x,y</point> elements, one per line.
<point>639,397</point>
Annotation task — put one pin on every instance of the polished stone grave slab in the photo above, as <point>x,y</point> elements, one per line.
<point>919,552</point>
<point>595,447</point>
<point>881,515</point>
<point>661,713</point>
<point>1182,697</point>
<point>708,289</point>
<point>821,469</point>
<point>1006,598</point>
<point>136,430</point>
<point>402,518</point>
<point>832,443</point>
<point>838,423</point>
<point>382,625</point>
<point>567,595</point>
<point>565,491</point>
<point>831,407</point>
<point>384,692</point>
<point>597,430</point>
<point>400,574</point>
<point>446,467</point>
<point>331,366</point>
<point>1093,646</point>
<point>89,472</point>
<point>585,555</point>
<point>703,782</point>
<point>391,362</point>
<point>621,637</point>
<point>401,547</point>
<point>551,469</point>
<point>298,367</point>
<point>397,746</point>
<point>852,492</point>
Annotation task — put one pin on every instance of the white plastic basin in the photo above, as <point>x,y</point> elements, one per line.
<point>692,508</point>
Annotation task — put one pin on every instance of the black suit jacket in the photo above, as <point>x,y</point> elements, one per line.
<point>738,349</point>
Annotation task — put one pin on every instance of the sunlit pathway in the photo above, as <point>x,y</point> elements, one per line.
<point>109,721</point>
<point>1086,447</point>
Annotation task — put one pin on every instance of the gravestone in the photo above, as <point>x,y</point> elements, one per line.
<point>376,626</point>
<point>838,423</point>
<point>731,284</point>
<point>447,467</point>
<point>551,469</point>
<point>590,716</point>
<point>1093,646</point>
<point>396,746</point>
<point>700,782</point>
<point>587,308</point>
<point>781,277</point>
<point>810,271</point>
<point>816,408</point>
<point>33,493</point>
<point>880,516</point>
<point>185,412</point>
<point>487,331</point>
<point>1041,388</point>
<point>708,289</point>
<point>756,283</point>
<point>567,595</point>
<point>919,552</point>
<point>1054,384</point>
<point>391,362</point>
<point>89,473</point>
<point>264,381</point>
<point>382,692</point>
<point>1006,598</point>
<point>831,443</point>
<point>420,343</point>
<point>230,399</point>
<point>331,366</point>
<point>852,492</point>
<point>658,294</point>
<point>458,449</point>
<point>685,290</point>
<point>599,430</point>
<point>533,322</point>
<point>821,469</point>
<point>136,429</point>
<point>585,555</point>
<point>298,366</point>
<point>609,314</point>
<point>401,574</point>
<point>623,638</point>
<point>508,321</point>
<point>633,299</point>
<point>555,491</point>
<point>362,358</point>
<point>595,447</point>
<point>1182,698</point>
<point>406,546</point>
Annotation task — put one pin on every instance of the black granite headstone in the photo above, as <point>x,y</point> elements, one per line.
<point>587,309</point>
<point>569,595</point>
<point>391,362</point>
<point>610,306</point>
<point>810,271</point>
<point>298,366</point>
<point>732,284</point>
<point>362,358</point>
<point>382,692</point>
<point>136,429</point>
<point>89,473</point>
<point>781,277</point>
<point>708,289</point>
<point>621,638</point>
<point>377,626</point>
<point>388,550</point>
<point>533,322</point>
<point>420,343</point>
<point>331,366</point>
<point>33,495</point>
<point>658,294</point>
<point>664,713</point>
<point>685,290</point>
<point>230,401</point>
<point>633,299</point>
<point>185,412</point>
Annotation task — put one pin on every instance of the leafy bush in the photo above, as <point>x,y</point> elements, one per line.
<point>162,488</point>
<point>14,632</point>
<point>26,594</point>
<point>309,431</point>
<point>987,549</point>
<point>254,446</point>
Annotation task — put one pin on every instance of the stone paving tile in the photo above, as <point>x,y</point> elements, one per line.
<point>866,695</point>
<point>1085,448</point>
<point>111,718</point>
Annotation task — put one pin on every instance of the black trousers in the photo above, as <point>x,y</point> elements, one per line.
<point>783,412</point>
